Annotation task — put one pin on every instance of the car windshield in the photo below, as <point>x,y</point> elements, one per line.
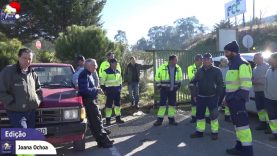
<point>54,77</point>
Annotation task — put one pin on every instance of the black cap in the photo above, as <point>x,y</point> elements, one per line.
<point>109,54</point>
<point>233,47</point>
<point>113,60</point>
<point>198,57</point>
<point>207,56</point>
<point>80,58</point>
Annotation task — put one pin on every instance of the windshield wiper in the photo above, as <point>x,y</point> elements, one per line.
<point>55,86</point>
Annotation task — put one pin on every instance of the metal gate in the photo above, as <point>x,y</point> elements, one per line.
<point>185,59</point>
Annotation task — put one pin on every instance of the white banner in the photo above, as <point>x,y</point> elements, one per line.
<point>234,8</point>
<point>34,147</point>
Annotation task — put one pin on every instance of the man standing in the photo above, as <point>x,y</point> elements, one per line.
<point>79,69</point>
<point>89,93</point>
<point>271,95</point>
<point>106,64</point>
<point>132,77</point>
<point>20,91</point>
<point>238,84</point>
<point>111,82</point>
<point>258,81</point>
<point>192,69</point>
<point>168,78</point>
<point>209,82</point>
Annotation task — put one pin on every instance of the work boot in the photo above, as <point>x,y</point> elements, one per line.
<point>197,135</point>
<point>172,122</point>
<point>233,151</point>
<point>208,120</point>
<point>227,118</point>
<point>193,119</point>
<point>273,138</point>
<point>214,136</point>
<point>108,121</point>
<point>159,122</point>
<point>267,129</point>
<point>118,120</point>
<point>261,126</point>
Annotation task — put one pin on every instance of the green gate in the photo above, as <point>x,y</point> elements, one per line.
<point>185,59</point>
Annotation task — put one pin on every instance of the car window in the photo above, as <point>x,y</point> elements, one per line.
<point>54,76</point>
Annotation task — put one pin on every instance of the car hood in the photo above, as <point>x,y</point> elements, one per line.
<point>61,97</point>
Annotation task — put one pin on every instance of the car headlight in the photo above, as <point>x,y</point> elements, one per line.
<point>71,114</point>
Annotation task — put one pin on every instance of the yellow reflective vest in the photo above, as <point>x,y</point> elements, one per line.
<point>162,76</point>
<point>105,65</point>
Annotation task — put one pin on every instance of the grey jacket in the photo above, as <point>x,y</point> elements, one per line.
<point>19,92</point>
<point>271,84</point>
<point>259,76</point>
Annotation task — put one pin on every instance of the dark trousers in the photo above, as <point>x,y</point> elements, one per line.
<point>22,119</point>
<point>260,100</point>
<point>240,120</point>
<point>113,97</point>
<point>221,97</point>
<point>271,107</point>
<point>202,103</point>
<point>95,120</point>
<point>167,95</point>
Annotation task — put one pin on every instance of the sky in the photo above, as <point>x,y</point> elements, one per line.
<point>136,17</point>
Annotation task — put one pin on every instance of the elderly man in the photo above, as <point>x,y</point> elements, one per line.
<point>89,93</point>
<point>20,91</point>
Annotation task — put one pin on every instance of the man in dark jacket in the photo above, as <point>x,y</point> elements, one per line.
<point>132,77</point>
<point>209,83</point>
<point>89,93</point>
<point>20,91</point>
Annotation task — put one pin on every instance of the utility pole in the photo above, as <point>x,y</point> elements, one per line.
<point>253,12</point>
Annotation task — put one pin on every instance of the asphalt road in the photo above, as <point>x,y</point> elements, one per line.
<point>138,137</point>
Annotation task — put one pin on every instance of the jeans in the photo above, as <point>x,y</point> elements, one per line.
<point>22,119</point>
<point>134,92</point>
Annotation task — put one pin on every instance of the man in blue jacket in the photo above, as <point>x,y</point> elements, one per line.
<point>89,92</point>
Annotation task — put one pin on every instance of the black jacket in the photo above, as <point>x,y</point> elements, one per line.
<point>132,72</point>
<point>207,82</point>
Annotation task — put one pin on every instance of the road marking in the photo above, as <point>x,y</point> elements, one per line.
<point>141,148</point>
<point>114,151</point>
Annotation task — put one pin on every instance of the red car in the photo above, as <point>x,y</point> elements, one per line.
<point>61,117</point>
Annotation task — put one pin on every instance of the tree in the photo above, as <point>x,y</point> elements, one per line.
<point>48,18</point>
<point>121,37</point>
<point>91,42</point>
<point>223,24</point>
<point>8,50</point>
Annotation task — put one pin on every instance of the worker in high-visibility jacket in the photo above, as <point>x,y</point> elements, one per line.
<point>106,64</point>
<point>238,84</point>
<point>209,82</point>
<point>192,69</point>
<point>271,95</point>
<point>111,82</point>
<point>168,79</point>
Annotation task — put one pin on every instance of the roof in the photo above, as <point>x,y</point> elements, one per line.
<point>51,64</point>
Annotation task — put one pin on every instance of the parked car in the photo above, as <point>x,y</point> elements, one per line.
<point>250,105</point>
<point>61,116</point>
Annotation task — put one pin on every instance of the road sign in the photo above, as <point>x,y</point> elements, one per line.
<point>247,41</point>
<point>38,44</point>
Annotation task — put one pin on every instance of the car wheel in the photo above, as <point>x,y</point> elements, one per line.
<point>79,145</point>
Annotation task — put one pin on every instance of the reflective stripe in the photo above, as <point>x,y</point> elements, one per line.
<point>171,111</point>
<point>245,79</point>
<point>108,112</point>
<point>214,126</point>
<point>232,82</point>
<point>117,111</point>
<point>161,111</point>
<point>275,121</point>
<point>242,128</point>
<point>246,143</point>
<point>246,88</point>
<point>231,90</point>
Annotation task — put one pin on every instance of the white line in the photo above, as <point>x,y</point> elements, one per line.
<point>114,151</point>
